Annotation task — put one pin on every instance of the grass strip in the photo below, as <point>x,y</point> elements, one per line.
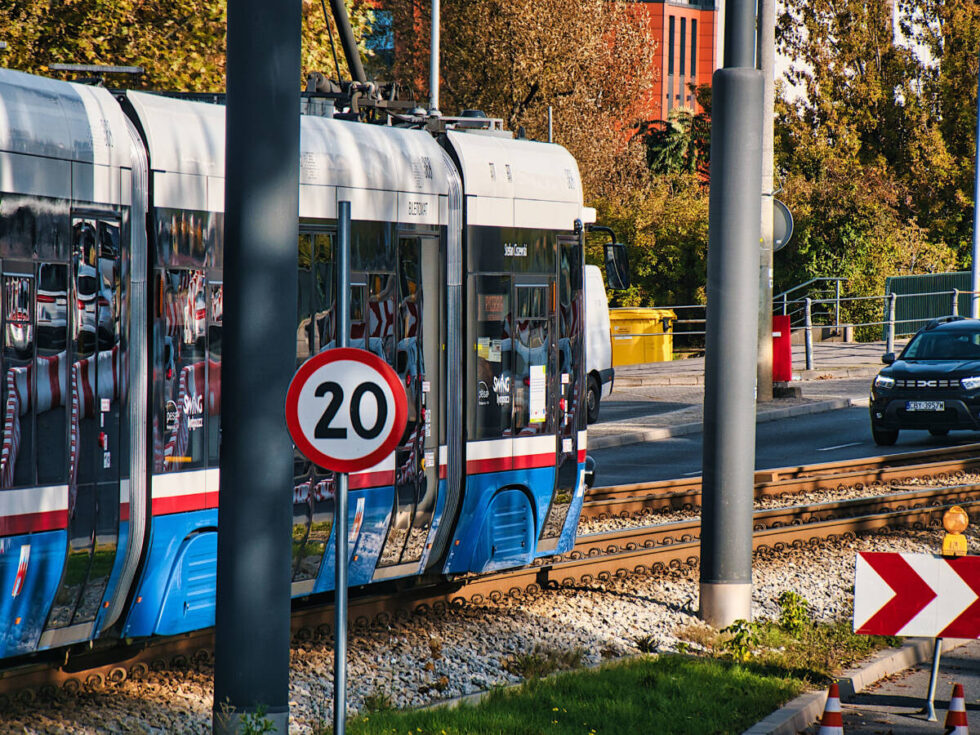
<point>651,694</point>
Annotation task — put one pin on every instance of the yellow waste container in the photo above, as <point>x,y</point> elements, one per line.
<point>641,334</point>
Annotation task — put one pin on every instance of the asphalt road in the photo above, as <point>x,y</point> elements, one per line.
<point>812,439</point>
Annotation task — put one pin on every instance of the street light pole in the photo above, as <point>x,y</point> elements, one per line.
<point>766,52</point>
<point>732,325</point>
<point>252,617</point>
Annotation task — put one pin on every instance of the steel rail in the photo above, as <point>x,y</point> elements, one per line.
<point>96,668</point>
<point>627,501</point>
<point>648,536</point>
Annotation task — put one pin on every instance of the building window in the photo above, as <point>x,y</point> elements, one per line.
<point>694,47</point>
<point>683,43</point>
<point>670,46</point>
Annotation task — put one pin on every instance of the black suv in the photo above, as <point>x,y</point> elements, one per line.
<point>934,385</point>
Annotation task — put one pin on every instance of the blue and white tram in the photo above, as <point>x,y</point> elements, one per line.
<point>466,277</point>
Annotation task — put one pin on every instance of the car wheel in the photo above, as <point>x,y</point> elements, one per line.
<point>884,437</point>
<point>939,432</point>
<point>592,400</point>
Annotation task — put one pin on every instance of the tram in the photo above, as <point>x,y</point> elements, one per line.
<point>467,278</point>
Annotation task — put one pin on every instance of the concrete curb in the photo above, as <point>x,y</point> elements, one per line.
<point>660,433</point>
<point>798,714</point>
<point>626,380</point>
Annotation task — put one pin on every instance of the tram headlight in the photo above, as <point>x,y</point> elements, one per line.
<point>971,383</point>
<point>884,382</point>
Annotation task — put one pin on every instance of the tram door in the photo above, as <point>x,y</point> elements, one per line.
<point>418,362</point>
<point>571,371</point>
<point>93,379</point>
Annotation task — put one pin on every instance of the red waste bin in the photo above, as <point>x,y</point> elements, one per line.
<point>782,351</point>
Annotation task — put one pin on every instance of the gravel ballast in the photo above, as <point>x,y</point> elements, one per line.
<point>461,651</point>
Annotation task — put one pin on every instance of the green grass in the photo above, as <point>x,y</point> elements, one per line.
<point>665,694</point>
<point>747,671</point>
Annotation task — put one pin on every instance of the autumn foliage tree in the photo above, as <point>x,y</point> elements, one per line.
<point>179,43</point>
<point>868,167</point>
<point>590,61</point>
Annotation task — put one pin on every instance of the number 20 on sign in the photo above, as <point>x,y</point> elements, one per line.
<point>346,409</point>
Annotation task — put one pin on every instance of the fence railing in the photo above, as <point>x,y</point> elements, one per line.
<point>826,313</point>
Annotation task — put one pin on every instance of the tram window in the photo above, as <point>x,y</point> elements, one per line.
<point>51,314</point>
<point>489,383</point>
<point>183,237</point>
<point>215,317</point>
<point>324,284</point>
<point>381,319</point>
<point>305,336</point>
<point>533,371</point>
<point>372,247</point>
<point>183,401</point>
<point>18,355</point>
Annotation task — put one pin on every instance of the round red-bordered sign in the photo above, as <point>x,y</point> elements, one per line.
<point>346,409</point>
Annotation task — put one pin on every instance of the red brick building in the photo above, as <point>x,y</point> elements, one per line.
<point>685,33</point>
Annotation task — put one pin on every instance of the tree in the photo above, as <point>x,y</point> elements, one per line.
<point>949,30</point>
<point>664,220</point>
<point>179,43</point>
<point>864,159</point>
<point>682,142</point>
<point>590,60</point>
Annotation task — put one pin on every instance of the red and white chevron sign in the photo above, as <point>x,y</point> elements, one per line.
<point>917,595</point>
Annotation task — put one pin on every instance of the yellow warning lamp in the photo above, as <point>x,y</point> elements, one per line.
<point>955,521</point>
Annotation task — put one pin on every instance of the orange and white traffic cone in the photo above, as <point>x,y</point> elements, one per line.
<point>956,715</point>
<point>832,723</point>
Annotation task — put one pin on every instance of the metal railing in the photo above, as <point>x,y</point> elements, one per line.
<point>827,313</point>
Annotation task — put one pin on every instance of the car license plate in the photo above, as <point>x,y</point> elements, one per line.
<point>925,406</point>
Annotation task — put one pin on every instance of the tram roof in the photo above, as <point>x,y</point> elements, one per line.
<point>538,182</point>
<point>187,138</point>
<point>46,123</point>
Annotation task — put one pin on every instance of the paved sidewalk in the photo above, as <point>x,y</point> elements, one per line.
<point>658,401</point>
<point>886,695</point>
<point>830,360</point>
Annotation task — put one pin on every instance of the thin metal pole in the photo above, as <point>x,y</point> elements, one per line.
<point>837,306</point>
<point>808,333</point>
<point>956,302</point>
<point>765,54</point>
<point>930,710</point>
<point>340,524</point>
<point>890,333</point>
<point>434,62</point>
<point>728,460</point>
<point>551,132</point>
<point>975,261</point>
<point>261,203</point>
<point>785,304</point>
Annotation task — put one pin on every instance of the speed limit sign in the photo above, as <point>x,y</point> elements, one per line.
<point>346,409</point>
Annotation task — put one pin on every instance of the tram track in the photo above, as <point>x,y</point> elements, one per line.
<point>634,500</point>
<point>596,558</point>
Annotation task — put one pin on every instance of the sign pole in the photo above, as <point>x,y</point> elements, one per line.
<point>340,524</point>
<point>930,710</point>
<point>346,410</point>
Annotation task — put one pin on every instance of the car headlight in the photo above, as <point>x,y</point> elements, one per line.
<point>971,383</point>
<point>883,381</point>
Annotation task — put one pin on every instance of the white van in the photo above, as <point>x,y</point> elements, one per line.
<point>598,345</point>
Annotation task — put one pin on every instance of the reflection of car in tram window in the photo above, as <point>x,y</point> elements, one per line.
<point>52,306</point>
<point>408,369</point>
<point>93,303</point>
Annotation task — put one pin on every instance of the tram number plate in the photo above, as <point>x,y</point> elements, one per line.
<point>925,406</point>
